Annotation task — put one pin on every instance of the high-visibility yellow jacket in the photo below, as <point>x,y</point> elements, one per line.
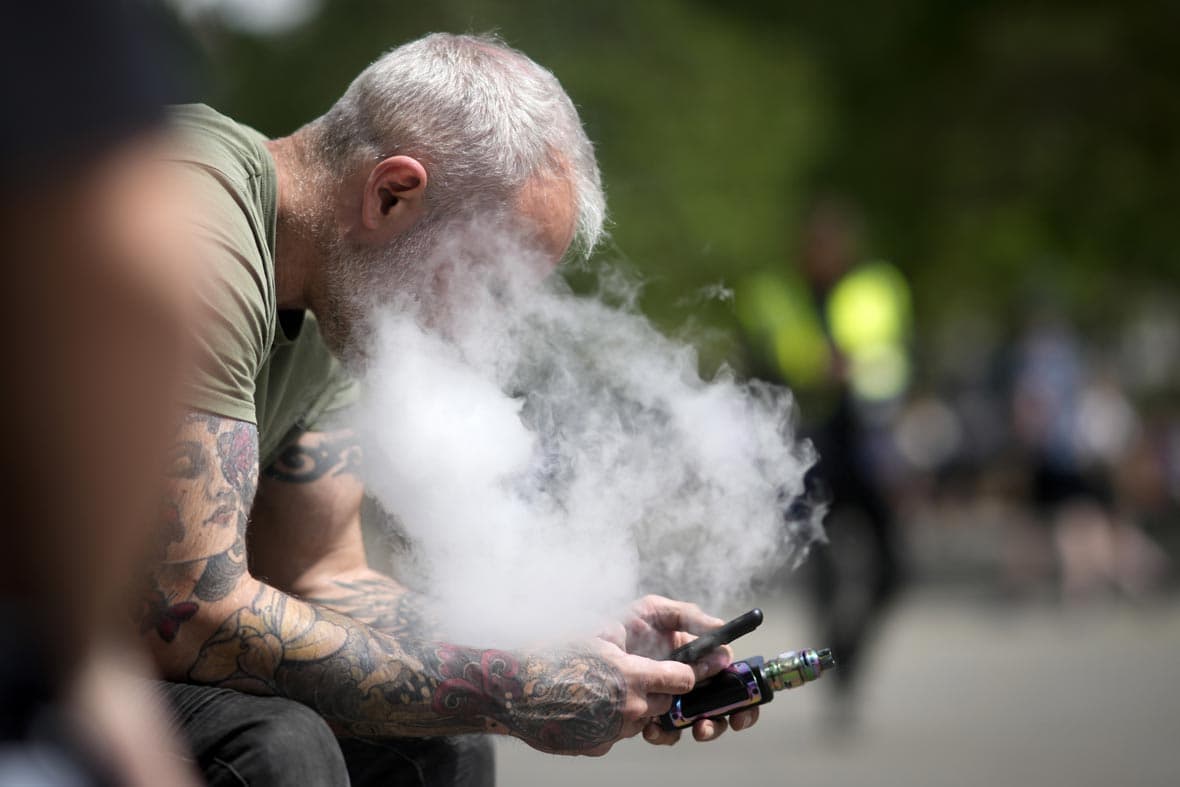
<point>866,318</point>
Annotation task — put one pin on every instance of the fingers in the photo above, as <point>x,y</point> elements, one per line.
<point>663,677</point>
<point>703,730</point>
<point>744,720</point>
<point>713,663</point>
<point>659,704</point>
<point>651,687</point>
<point>616,634</point>
<point>709,729</point>
<point>644,640</point>
<point>664,613</point>
<point>656,735</point>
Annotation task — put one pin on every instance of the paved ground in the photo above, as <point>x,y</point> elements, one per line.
<point>961,692</point>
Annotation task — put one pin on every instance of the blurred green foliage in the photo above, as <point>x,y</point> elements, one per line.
<point>994,148</point>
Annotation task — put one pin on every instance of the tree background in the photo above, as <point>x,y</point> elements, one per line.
<point>999,151</point>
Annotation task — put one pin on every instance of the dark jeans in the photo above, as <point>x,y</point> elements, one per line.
<point>239,739</point>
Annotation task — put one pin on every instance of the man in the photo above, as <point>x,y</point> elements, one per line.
<point>837,331</point>
<point>262,609</point>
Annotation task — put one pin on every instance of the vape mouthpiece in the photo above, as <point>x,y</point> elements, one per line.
<point>746,683</point>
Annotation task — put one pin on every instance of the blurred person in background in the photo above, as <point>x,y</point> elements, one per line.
<point>1078,427</point>
<point>95,318</point>
<point>274,633</point>
<point>837,333</point>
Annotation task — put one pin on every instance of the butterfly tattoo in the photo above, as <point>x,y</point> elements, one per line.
<point>164,616</point>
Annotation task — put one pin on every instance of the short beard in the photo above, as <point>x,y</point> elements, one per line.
<point>361,279</point>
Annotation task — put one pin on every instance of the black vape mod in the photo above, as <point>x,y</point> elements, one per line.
<point>744,684</point>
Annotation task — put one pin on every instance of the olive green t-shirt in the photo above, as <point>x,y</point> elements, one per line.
<point>254,363</point>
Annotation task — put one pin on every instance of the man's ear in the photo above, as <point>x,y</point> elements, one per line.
<point>393,197</point>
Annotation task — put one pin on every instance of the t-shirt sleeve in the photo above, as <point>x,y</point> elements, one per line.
<point>231,330</point>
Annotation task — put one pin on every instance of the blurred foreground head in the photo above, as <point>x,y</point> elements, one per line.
<point>444,150</point>
<point>94,315</point>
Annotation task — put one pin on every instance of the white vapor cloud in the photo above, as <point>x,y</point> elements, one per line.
<point>554,457</point>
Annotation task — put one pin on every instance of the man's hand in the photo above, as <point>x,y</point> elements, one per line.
<point>655,627</point>
<point>648,688</point>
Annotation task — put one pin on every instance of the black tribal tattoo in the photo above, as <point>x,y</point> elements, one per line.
<point>301,462</point>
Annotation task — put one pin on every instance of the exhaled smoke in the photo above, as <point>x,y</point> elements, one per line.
<point>555,457</point>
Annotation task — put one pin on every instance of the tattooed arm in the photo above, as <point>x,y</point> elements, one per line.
<point>306,535</point>
<point>306,530</point>
<point>210,621</point>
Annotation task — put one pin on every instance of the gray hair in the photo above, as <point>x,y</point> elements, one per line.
<point>482,117</point>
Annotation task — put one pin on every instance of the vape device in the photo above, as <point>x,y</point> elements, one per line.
<point>745,684</point>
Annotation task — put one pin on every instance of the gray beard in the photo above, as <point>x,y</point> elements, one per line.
<point>440,274</point>
<point>359,280</point>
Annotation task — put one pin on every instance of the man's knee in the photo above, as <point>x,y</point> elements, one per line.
<point>284,742</point>
<point>240,739</point>
<point>461,761</point>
